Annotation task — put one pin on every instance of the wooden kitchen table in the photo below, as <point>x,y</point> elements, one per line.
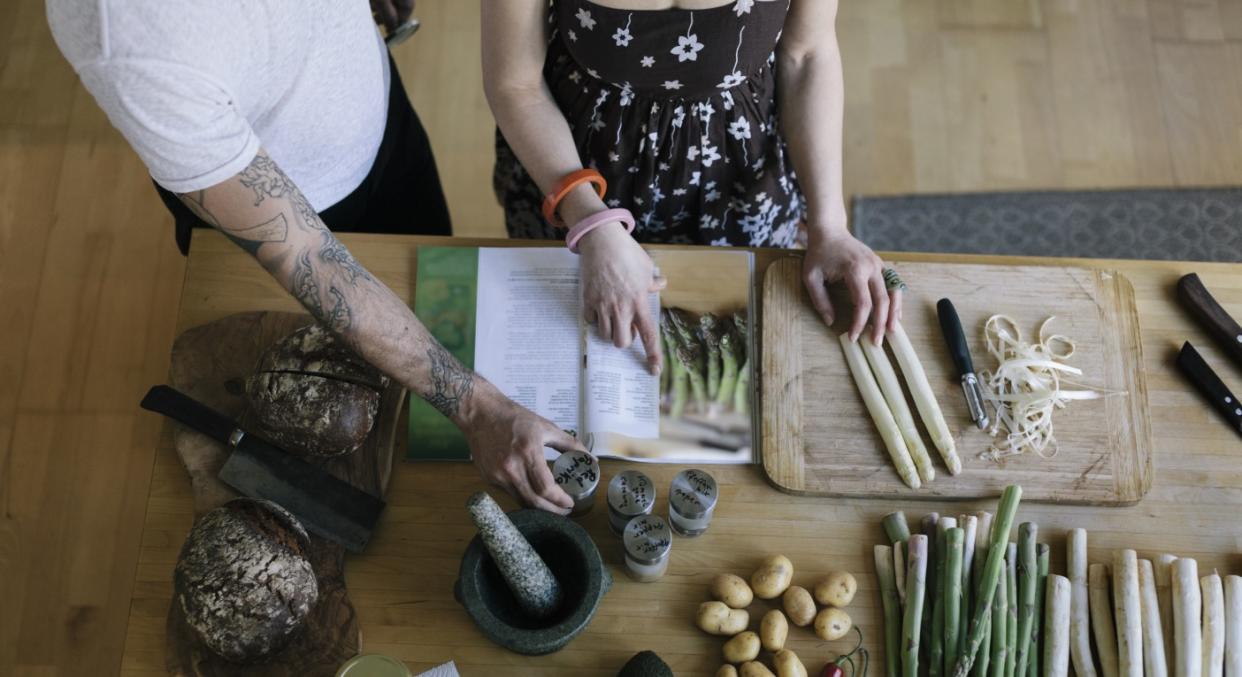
<point>402,585</point>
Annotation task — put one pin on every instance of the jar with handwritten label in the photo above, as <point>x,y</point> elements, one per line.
<point>630,494</point>
<point>577,472</point>
<point>648,543</point>
<point>691,502</point>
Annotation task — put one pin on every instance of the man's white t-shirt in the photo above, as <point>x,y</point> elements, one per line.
<point>197,87</point>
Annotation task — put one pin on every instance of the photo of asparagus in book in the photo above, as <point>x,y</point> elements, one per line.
<point>515,316</point>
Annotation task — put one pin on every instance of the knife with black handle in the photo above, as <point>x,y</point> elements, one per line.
<point>324,503</point>
<point>1211,315</point>
<point>1205,379</point>
<point>955,338</point>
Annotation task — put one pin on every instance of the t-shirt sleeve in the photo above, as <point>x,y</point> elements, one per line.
<point>184,125</point>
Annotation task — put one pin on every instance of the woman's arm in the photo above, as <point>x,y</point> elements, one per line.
<point>264,212</point>
<point>812,102</point>
<point>618,274</point>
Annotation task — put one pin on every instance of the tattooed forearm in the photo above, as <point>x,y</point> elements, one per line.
<point>195,201</point>
<point>451,382</point>
<point>266,179</point>
<point>273,230</point>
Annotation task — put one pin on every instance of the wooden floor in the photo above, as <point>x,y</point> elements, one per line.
<point>943,95</point>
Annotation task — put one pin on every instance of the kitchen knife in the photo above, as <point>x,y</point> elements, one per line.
<point>951,327</point>
<point>1201,375</point>
<point>1211,315</point>
<point>325,504</point>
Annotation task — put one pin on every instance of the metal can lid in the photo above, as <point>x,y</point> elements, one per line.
<point>373,665</point>
<point>693,493</point>
<point>577,472</point>
<point>647,539</point>
<point>631,493</point>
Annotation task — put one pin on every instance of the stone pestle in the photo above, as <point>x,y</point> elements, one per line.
<point>536,589</point>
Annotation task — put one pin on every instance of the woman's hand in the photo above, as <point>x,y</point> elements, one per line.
<point>617,277</point>
<point>506,442</point>
<point>838,256</point>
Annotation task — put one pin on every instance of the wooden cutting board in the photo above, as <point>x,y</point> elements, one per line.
<point>210,363</point>
<point>818,439</point>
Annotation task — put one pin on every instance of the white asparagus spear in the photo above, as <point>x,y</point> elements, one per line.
<point>1164,592</point>
<point>1213,626</point>
<point>880,413</point>
<point>1187,606</point>
<point>891,389</point>
<point>899,569</point>
<point>1154,661</point>
<point>1102,618</point>
<point>1233,625</point>
<point>1127,614</point>
<point>924,398</point>
<point>1057,627</point>
<point>1080,621</point>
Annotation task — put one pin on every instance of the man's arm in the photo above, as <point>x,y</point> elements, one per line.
<point>262,211</point>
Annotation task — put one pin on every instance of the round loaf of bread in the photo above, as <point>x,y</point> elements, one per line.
<point>312,395</point>
<point>243,579</point>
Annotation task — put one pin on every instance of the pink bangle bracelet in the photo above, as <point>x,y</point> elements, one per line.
<point>590,223</point>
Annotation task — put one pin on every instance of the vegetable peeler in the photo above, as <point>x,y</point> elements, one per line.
<point>951,327</point>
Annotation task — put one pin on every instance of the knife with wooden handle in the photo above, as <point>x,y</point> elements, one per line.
<point>1211,315</point>
<point>1205,379</point>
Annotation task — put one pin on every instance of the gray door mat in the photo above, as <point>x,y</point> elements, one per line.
<point>1190,224</point>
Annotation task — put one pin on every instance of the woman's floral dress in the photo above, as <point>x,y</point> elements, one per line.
<point>678,110</point>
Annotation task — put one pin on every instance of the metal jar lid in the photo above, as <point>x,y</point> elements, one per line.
<point>693,494</point>
<point>631,493</point>
<point>577,472</point>
<point>647,539</point>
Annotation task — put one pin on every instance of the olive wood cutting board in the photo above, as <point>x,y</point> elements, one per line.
<point>818,439</point>
<point>210,363</point>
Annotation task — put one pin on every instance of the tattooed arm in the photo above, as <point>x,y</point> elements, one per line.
<point>263,212</point>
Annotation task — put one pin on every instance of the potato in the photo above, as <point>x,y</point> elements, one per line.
<point>836,589</point>
<point>832,623</point>
<point>773,630</point>
<point>772,577</point>
<point>788,664</point>
<point>731,590</point>
<point>726,671</point>
<point>716,618</point>
<point>744,647</point>
<point>755,669</point>
<point>799,606</point>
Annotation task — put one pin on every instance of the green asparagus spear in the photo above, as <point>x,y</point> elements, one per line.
<point>983,536</point>
<point>709,330</point>
<point>1011,624</point>
<point>1041,580</point>
<point>916,588</point>
<point>728,371</point>
<point>892,609</point>
<point>936,653</point>
<point>928,527</point>
<point>1000,617</point>
<point>955,540</point>
<point>741,393</point>
<point>693,362</point>
<point>1005,512</point>
<point>981,666</point>
<point>896,527</point>
<point>1028,575</point>
<point>666,374</point>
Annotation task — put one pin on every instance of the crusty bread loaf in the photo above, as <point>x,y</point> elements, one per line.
<point>311,395</point>
<point>243,579</point>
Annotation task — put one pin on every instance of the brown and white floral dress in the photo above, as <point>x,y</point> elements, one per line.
<point>678,110</point>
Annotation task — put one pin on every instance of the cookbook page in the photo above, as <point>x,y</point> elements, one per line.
<point>527,330</point>
<point>619,394</point>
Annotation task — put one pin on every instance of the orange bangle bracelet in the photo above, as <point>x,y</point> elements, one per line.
<point>567,183</point>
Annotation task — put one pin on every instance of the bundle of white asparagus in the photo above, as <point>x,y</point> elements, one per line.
<point>881,392</point>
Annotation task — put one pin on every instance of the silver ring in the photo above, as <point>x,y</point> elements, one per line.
<point>893,281</point>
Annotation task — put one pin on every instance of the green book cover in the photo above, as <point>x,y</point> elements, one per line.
<point>445,292</point>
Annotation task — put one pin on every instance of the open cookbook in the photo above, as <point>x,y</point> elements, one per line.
<point>514,314</point>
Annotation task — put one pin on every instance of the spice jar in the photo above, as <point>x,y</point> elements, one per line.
<point>630,494</point>
<point>648,543</point>
<point>577,472</point>
<point>691,502</point>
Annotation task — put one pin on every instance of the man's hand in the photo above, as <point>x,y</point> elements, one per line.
<point>507,442</point>
<point>617,277</point>
<point>392,13</point>
<point>838,256</point>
